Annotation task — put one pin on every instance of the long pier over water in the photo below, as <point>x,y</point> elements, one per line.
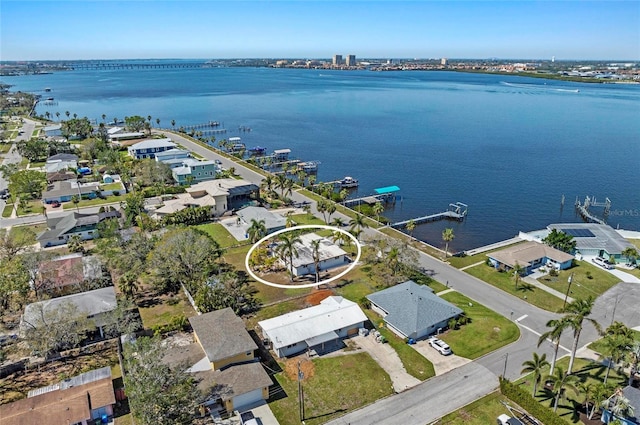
<point>456,211</point>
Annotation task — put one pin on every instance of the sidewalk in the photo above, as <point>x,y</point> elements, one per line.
<point>532,281</point>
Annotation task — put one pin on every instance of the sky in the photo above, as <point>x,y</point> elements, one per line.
<point>204,29</point>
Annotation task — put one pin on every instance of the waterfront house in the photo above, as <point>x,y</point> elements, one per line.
<point>171,155</point>
<point>330,255</point>
<point>413,311</point>
<point>149,148</point>
<point>272,222</point>
<point>597,240</point>
<point>193,171</point>
<point>316,328</point>
<point>633,395</point>
<point>52,130</point>
<point>96,305</point>
<point>530,256</point>
<point>87,398</point>
<point>121,137</point>
<point>61,162</point>
<point>60,229</point>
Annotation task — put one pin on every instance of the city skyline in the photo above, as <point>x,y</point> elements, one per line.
<point>51,30</point>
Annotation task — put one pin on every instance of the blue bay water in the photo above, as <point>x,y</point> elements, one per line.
<point>507,146</point>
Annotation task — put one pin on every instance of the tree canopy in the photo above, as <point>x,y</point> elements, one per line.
<point>28,182</point>
<point>134,123</point>
<point>78,127</point>
<point>560,240</point>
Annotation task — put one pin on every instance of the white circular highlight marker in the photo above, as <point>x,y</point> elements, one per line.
<point>306,285</point>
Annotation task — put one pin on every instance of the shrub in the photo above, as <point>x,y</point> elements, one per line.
<point>116,193</point>
<point>588,274</point>
<point>528,403</point>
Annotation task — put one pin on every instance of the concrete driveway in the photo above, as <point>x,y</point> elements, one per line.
<point>388,360</point>
<point>441,364</point>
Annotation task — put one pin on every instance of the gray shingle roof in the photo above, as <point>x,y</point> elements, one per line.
<point>222,334</point>
<point>604,237</point>
<point>633,394</point>
<point>234,381</point>
<point>412,307</point>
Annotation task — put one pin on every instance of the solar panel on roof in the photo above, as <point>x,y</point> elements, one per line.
<point>579,233</point>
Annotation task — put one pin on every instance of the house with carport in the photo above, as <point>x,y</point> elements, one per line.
<point>530,256</point>
<point>318,329</point>
<point>413,311</point>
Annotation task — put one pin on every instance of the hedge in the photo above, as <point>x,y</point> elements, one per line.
<point>528,403</point>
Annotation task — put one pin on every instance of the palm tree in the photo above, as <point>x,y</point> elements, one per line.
<point>614,349</point>
<point>268,183</point>
<point>315,252</point>
<point>149,119</point>
<point>173,124</point>
<point>281,183</point>
<point>377,209</point>
<point>343,195</point>
<point>128,284</point>
<point>67,113</point>
<point>517,272</point>
<point>447,236</point>
<point>560,379</point>
<point>76,200</point>
<point>634,360</point>
<point>535,366</point>
<point>58,115</point>
<point>576,313</point>
<point>338,222</point>
<point>43,209</point>
<point>410,226</point>
<point>287,250</point>
<point>357,224</point>
<point>631,253</point>
<point>331,208</point>
<point>257,230</point>
<point>158,122</point>
<point>618,405</point>
<point>104,117</point>
<point>557,327</point>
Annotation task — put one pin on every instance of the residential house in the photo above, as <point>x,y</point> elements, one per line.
<point>273,222</point>
<point>316,328</point>
<point>193,171</point>
<point>413,311</point>
<point>60,229</point>
<point>224,338</point>
<point>64,191</point>
<point>81,400</point>
<point>68,270</point>
<point>60,176</point>
<point>221,195</point>
<point>598,240</point>
<point>96,304</point>
<point>530,256</point>
<point>171,155</point>
<point>52,130</point>
<point>121,137</point>
<point>61,162</point>
<point>149,148</point>
<point>330,255</point>
<point>633,395</point>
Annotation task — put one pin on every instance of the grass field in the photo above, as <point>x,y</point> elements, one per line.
<point>481,412</point>
<point>459,262</point>
<point>94,202</point>
<point>581,286</point>
<point>487,331</point>
<point>219,234</point>
<point>160,312</point>
<point>415,363</point>
<point>338,385</point>
<point>504,281</point>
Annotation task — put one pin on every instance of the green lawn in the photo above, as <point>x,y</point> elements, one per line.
<point>5,147</point>
<point>487,331</point>
<point>162,313</point>
<point>415,363</point>
<point>481,412</point>
<point>236,255</point>
<point>219,234</point>
<point>94,202</point>
<point>37,164</point>
<point>338,385</point>
<point>598,345</point>
<point>581,286</point>
<point>587,372</point>
<point>504,281</point>
<point>33,206</point>
<point>6,212</point>
<point>302,219</point>
<point>113,186</point>
<point>424,247</point>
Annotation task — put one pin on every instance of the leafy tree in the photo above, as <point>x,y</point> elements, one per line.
<point>14,282</point>
<point>631,253</point>
<point>576,313</point>
<point>231,289</point>
<point>257,230</point>
<point>633,356</point>
<point>183,256</point>
<point>128,284</point>
<point>188,216</point>
<point>557,327</point>
<point>560,240</point>
<point>134,123</point>
<point>133,207</point>
<point>158,394</point>
<point>148,172</point>
<point>34,149</point>
<point>286,249</point>
<point>447,236</point>
<point>78,127</point>
<point>16,241</point>
<point>29,182</point>
<point>535,366</point>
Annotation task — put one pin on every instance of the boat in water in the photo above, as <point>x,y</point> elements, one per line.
<point>348,182</point>
<point>257,150</point>
<point>309,166</point>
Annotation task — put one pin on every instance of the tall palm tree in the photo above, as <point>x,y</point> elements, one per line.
<point>557,327</point>
<point>315,252</point>
<point>67,113</point>
<point>58,115</point>
<point>268,183</point>
<point>338,222</point>
<point>447,236</point>
<point>158,122</point>
<point>281,183</point>
<point>287,250</point>
<point>377,209</point>
<point>257,230</point>
<point>577,312</point>
<point>357,224</point>
<point>331,208</point>
<point>410,226</point>
<point>634,360</point>
<point>128,284</point>
<point>517,272</point>
<point>76,200</point>
<point>614,349</point>
<point>560,379</point>
<point>536,365</point>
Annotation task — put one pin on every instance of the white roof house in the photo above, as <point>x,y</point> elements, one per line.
<point>334,318</point>
<point>330,255</point>
<point>148,148</point>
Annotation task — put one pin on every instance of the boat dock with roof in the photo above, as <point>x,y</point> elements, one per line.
<point>385,195</point>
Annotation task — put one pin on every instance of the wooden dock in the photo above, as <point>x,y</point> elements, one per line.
<point>457,211</point>
<point>371,200</point>
<point>588,216</point>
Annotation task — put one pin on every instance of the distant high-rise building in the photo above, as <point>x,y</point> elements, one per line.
<point>351,60</point>
<point>337,60</point>
<point>444,61</point>
<point>553,59</point>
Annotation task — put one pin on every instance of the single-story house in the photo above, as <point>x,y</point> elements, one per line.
<point>273,222</point>
<point>172,154</point>
<point>94,303</point>
<point>224,338</point>
<point>593,239</point>
<point>68,270</point>
<point>64,191</point>
<point>59,176</point>
<point>52,130</point>
<point>633,395</point>
<point>194,171</point>
<point>311,328</point>
<point>330,255</point>
<point>60,162</point>
<point>149,148</point>
<point>413,311</point>
<point>530,256</point>
<point>221,195</point>
<point>60,229</point>
<point>82,399</point>
<point>119,137</point>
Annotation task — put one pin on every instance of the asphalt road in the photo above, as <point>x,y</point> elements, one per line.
<point>13,156</point>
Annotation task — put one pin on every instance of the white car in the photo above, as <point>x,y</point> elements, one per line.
<point>602,263</point>
<point>440,346</point>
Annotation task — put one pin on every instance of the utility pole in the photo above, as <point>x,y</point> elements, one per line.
<point>300,393</point>
<point>504,372</point>
<point>570,279</point>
